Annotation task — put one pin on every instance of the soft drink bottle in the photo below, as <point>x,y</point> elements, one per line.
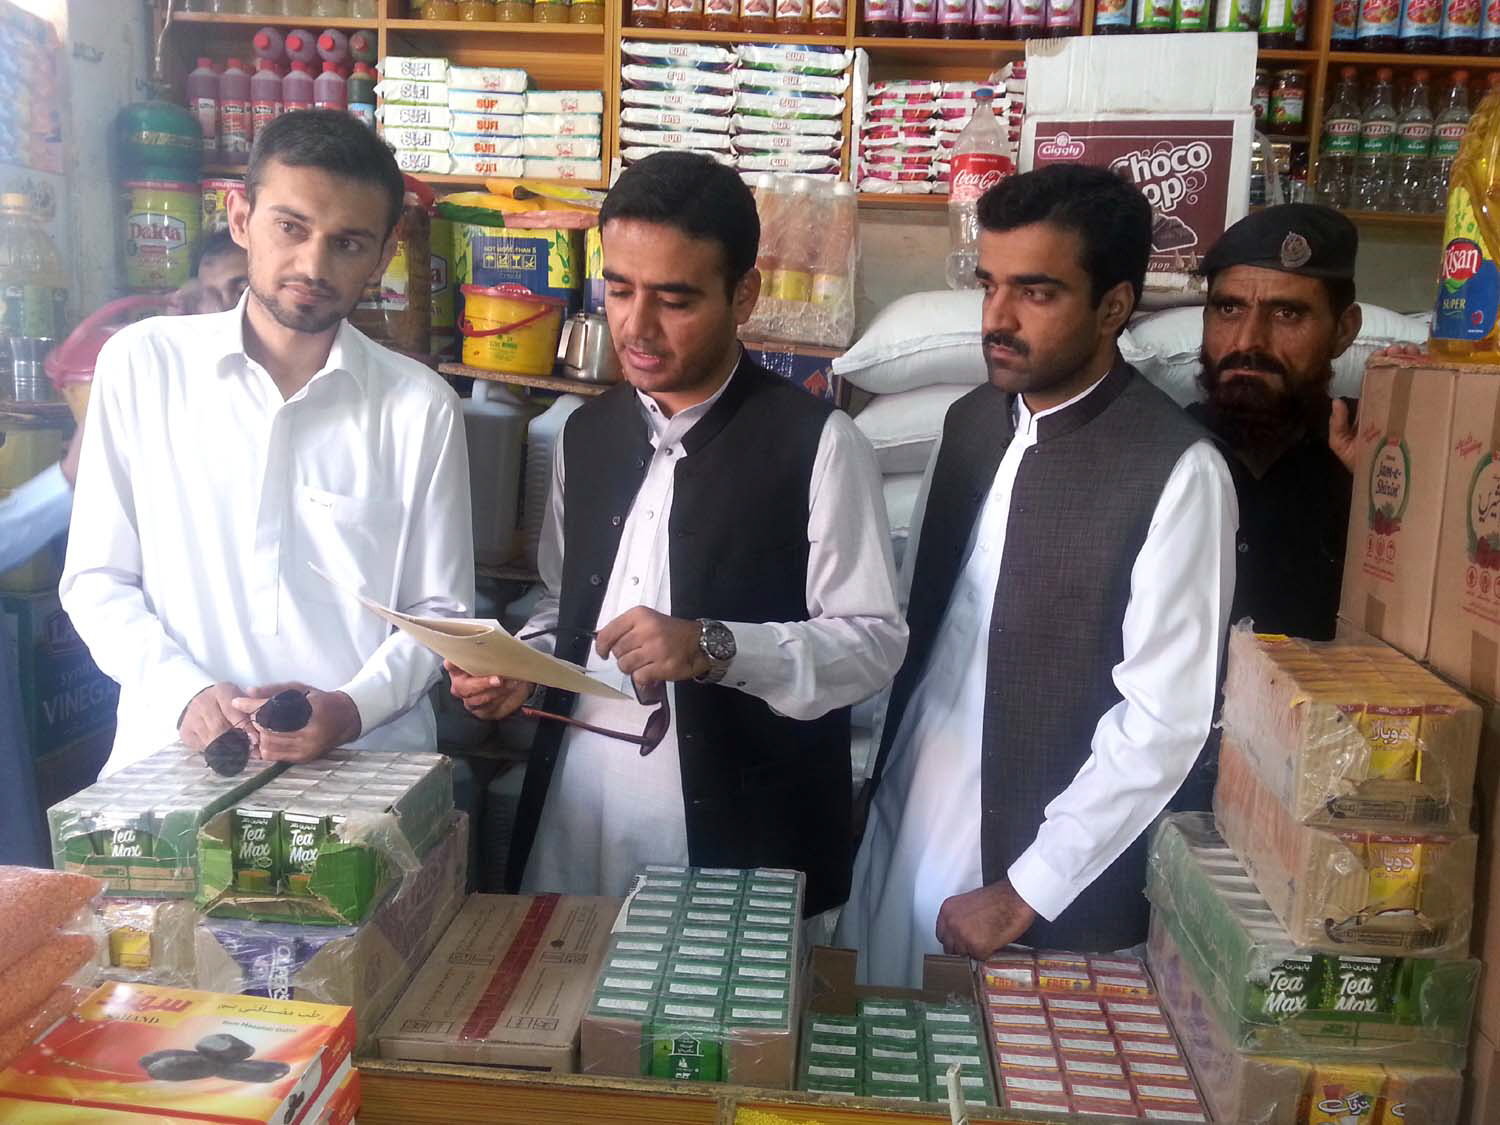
<point>796,244</point>
<point>1464,321</point>
<point>203,100</point>
<point>1379,25</point>
<point>1064,18</point>
<point>331,89</point>
<point>269,44</point>
<point>1462,27</point>
<point>265,96</point>
<point>955,19</point>
<point>1335,180</point>
<point>1448,131</point>
<point>992,19</point>
<point>1377,143</point>
<point>1413,147</point>
<point>234,112</point>
<point>297,87</point>
<point>918,18</point>
<point>301,45</point>
<point>832,280</point>
<point>881,18</point>
<point>362,93</point>
<point>981,159</point>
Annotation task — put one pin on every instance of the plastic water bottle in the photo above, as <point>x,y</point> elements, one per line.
<point>1377,145</point>
<point>1447,134</point>
<point>1413,144</point>
<point>981,159</point>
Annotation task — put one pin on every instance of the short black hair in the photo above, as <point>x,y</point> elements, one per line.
<point>211,245</point>
<point>1341,294</point>
<point>334,142</point>
<point>1108,213</point>
<point>699,197</point>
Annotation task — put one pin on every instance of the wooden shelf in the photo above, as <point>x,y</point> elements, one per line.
<point>434,179</point>
<point>673,35</point>
<point>1439,62</point>
<point>1299,54</point>
<point>1395,218</point>
<point>949,48</point>
<point>533,382</point>
<point>585,31</point>
<point>904,202</point>
<point>308,22</point>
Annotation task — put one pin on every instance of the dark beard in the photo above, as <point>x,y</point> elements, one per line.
<point>287,315</point>
<point>1251,415</point>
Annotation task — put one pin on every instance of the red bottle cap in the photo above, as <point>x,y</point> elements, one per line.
<point>330,66</point>
<point>205,64</point>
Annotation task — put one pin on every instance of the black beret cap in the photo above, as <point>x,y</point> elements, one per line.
<point>1301,238</point>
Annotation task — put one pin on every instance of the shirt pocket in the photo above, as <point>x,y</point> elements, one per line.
<point>353,539</point>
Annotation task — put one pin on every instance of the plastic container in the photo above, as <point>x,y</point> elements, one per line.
<point>1422,27</point>
<point>234,112</point>
<point>161,223</point>
<point>881,18</point>
<point>30,267</point>
<point>331,89</point>
<point>297,88</point>
<point>333,46</point>
<point>1448,130</point>
<point>269,44</point>
<point>1463,27</point>
<point>1278,25</point>
<point>1065,18</point>
<point>1413,148</point>
<point>919,18</point>
<point>495,426</point>
<point>992,19</point>
<point>301,45</point>
<point>363,47</point>
<point>1377,146</point>
<point>1379,27</point>
<point>981,158</point>
<point>265,96</point>
<point>508,328</point>
<point>955,19</point>
<point>203,102</point>
<point>1464,322</point>
<point>362,93</point>
<point>1028,19</point>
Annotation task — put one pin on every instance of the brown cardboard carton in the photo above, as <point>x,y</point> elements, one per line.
<point>507,984</point>
<point>1357,889</point>
<point>1401,467</point>
<point>1465,643</point>
<point>1486,941</point>
<point>1351,730</point>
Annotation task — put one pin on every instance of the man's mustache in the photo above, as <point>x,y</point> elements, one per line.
<point>1251,361</point>
<point>1006,340</point>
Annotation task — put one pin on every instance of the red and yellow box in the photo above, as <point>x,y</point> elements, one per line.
<point>141,1053</point>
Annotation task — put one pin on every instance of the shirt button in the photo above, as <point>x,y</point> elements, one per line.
<point>640,462</point>
<point>635,581</point>
<point>670,451</point>
<point>595,580</point>
<point>615,521</point>
<point>739,683</point>
<point>650,515</point>
<point>1244,548</point>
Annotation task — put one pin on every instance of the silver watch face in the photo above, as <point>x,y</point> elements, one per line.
<point>717,641</point>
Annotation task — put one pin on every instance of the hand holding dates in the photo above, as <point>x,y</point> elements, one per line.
<point>331,720</point>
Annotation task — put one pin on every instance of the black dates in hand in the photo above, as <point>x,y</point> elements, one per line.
<point>228,753</point>
<point>284,712</point>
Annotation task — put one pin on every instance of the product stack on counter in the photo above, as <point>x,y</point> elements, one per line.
<point>1312,950</point>
<point>676,96</point>
<point>484,122</point>
<point>701,980</point>
<point>1084,1034</point>
<point>49,950</point>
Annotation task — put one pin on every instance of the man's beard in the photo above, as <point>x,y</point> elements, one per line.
<point>1255,414</point>
<point>1040,376</point>
<point>311,321</point>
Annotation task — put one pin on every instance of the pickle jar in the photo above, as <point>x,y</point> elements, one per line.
<point>364,9</point>
<point>331,9</point>
<point>437,10</point>
<point>1288,99</point>
<point>551,11</point>
<point>514,11</point>
<point>262,8</point>
<point>586,11</point>
<point>477,11</point>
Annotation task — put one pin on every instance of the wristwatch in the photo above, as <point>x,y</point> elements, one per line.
<point>716,642</point>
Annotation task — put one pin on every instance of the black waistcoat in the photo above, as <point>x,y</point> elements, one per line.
<point>1080,509</point>
<point>759,789</point>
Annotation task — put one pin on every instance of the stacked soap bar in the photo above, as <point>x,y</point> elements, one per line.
<point>1074,1033</point>
<point>897,1049</point>
<point>701,979</point>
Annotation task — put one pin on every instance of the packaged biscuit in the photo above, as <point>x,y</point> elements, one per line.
<point>489,78</point>
<point>486,103</point>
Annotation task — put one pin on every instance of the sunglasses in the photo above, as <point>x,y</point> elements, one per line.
<point>655,695</point>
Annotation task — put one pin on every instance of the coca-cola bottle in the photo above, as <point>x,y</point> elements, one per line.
<point>981,159</point>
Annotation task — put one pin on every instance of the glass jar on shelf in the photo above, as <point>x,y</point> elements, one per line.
<point>436,10</point>
<point>586,11</point>
<point>364,9</point>
<point>262,7</point>
<point>295,8</point>
<point>1288,102</point>
<point>331,9</point>
<point>227,7</point>
<point>515,11</point>
<point>476,11</point>
<point>551,11</point>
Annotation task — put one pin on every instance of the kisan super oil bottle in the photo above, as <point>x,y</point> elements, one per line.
<point>1464,324</point>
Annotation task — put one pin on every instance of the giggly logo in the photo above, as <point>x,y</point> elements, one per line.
<point>1060,147</point>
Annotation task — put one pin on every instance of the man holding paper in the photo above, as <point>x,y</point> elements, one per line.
<point>228,454</point>
<point>715,530</point>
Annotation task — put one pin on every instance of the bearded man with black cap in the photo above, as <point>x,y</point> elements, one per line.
<point>1280,310</point>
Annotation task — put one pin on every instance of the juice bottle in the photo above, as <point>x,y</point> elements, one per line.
<point>297,87</point>
<point>333,46</point>
<point>792,16</point>
<point>831,279</point>
<point>363,48</point>
<point>685,15</point>
<point>1345,25</point>
<point>828,17</point>
<point>265,96</point>
<point>1379,25</point>
<point>955,19</point>
<point>203,100</point>
<point>1468,290</point>
<point>882,18</point>
<point>1112,17</point>
<point>269,44</point>
<point>1462,27</point>
<point>362,93</point>
<point>301,46</point>
<point>758,15</point>
<point>721,15</point>
<point>1421,26</point>
<point>1064,18</point>
<point>331,89</point>
<point>792,278</point>
<point>992,19</point>
<point>1028,19</point>
<point>234,112</point>
<point>919,18</point>
<point>648,13</point>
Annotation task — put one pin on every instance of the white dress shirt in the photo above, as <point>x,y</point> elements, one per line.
<point>609,810</point>
<point>33,515</point>
<point>204,497</point>
<point>922,843</point>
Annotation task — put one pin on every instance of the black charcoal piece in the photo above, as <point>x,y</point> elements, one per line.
<point>285,712</point>
<point>178,1066</point>
<point>228,753</point>
<point>253,1070</point>
<point>225,1048</point>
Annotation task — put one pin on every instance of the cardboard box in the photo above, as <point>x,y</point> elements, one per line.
<point>64,696</point>
<point>1400,476</point>
<point>364,967</point>
<point>1486,937</point>
<point>1482,1092</point>
<point>804,365</point>
<point>1359,889</point>
<point>507,984</point>
<point>133,1048</point>
<point>1351,730</point>
<point>1272,1090</point>
<point>1271,998</point>
<point>1465,641</point>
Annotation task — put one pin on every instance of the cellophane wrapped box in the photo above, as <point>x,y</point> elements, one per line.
<point>1351,730</point>
<point>1271,997</point>
<point>138,828</point>
<point>1248,1089</point>
<point>702,979</point>
<point>139,1051</point>
<point>363,967</point>
<point>150,941</point>
<point>1363,888</point>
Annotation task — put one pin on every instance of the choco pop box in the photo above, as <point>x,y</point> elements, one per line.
<point>144,1050</point>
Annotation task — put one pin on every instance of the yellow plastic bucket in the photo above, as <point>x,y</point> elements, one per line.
<point>509,328</point>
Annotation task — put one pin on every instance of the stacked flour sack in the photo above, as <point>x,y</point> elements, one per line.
<point>563,135</point>
<point>676,96</point>
<point>789,109</point>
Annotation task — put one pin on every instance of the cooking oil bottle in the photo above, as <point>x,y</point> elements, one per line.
<point>1464,319</point>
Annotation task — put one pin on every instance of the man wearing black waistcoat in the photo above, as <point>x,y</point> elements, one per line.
<point>715,530</point>
<point>1073,574</point>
